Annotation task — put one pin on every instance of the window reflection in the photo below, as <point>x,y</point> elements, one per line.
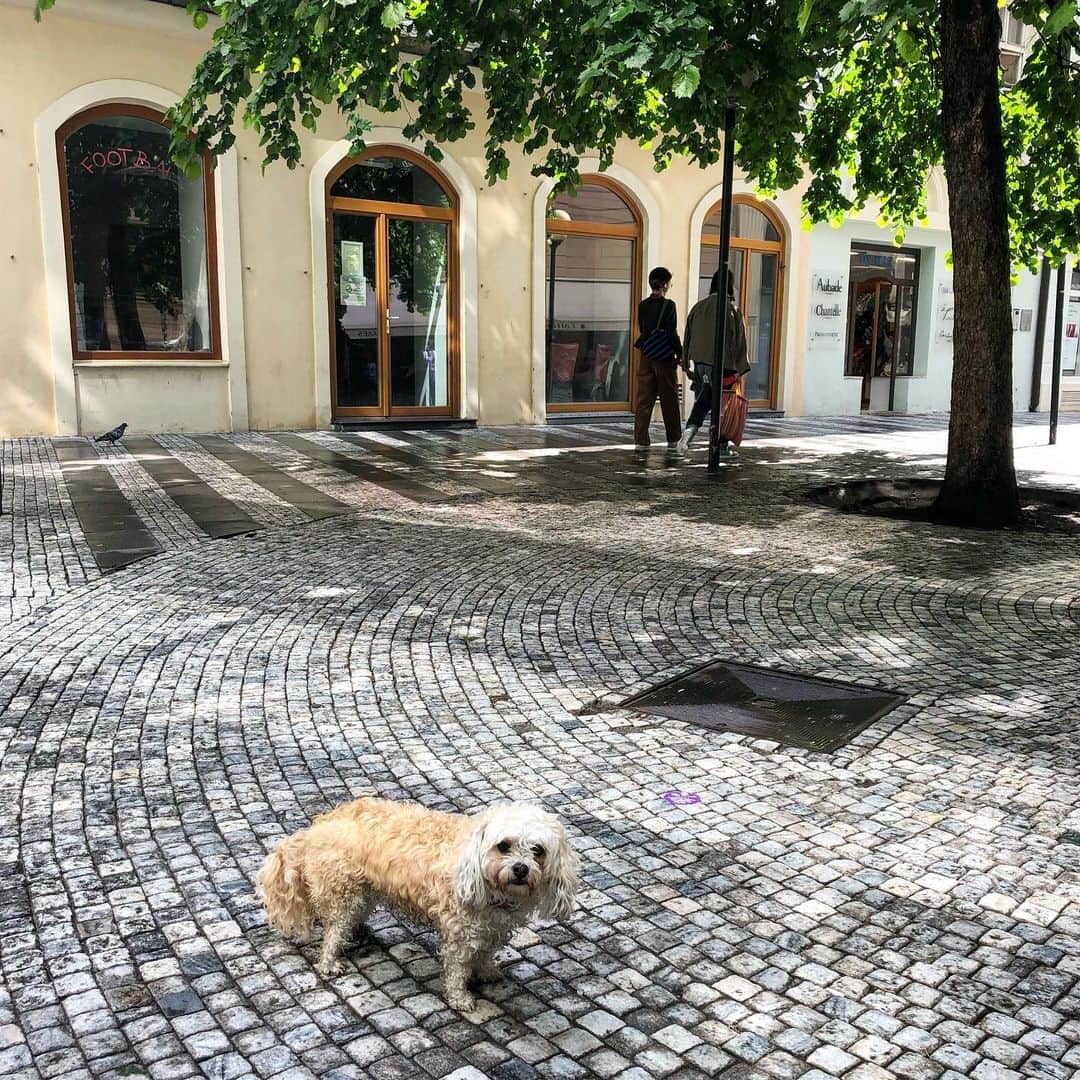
<point>591,328</point>
<point>1070,351</point>
<point>390,179</point>
<point>356,324</point>
<point>755,264</point>
<point>747,223</point>
<point>418,313</point>
<point>591,294</point>
<point>138,240</point>
<point>594,202</point>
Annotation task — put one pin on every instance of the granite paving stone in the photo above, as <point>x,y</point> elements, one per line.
<point>906,907</point>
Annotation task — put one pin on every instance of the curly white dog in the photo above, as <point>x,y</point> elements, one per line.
<point>475,879</point>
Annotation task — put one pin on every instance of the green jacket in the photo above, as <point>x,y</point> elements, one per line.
<point>699,342</point>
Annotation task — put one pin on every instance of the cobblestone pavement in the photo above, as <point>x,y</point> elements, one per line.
<point>906,907</point>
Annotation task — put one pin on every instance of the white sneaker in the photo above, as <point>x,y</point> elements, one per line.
<point>683,445</point>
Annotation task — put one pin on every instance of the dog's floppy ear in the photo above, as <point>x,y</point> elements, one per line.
<point>558,899</point>
<point>470,885</point>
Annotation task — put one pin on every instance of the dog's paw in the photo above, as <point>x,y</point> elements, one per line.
<point>462,1002</point>
<point>329,968</point>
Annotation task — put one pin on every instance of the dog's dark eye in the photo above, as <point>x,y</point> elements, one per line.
<point>504,846</point>
<point>539,852</point>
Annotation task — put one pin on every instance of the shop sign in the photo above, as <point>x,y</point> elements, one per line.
<point>945,313</point>
<point>123,157</point>
<point>352,284</point>
<point>864,259</point>
<point>827,318</point>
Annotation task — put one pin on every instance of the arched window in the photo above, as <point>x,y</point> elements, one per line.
<point>383,178</point>
<point>142,275</point>
<point>393,271</point>
<point>593,275</point>
<point>757,261</point>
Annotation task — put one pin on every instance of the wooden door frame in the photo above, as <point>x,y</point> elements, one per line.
<point>749,245</point>
<point>635,233</point>
<point>382,212</point>
<point>911,283</point>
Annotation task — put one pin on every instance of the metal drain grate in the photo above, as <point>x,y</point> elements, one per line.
<point>818,714</point>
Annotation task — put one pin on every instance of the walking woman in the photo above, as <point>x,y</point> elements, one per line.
<point>660,351</point>
<point>701,352</point>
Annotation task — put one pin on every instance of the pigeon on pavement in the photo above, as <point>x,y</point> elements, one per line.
<point>115,435</point>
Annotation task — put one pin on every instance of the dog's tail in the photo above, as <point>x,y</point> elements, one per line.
<point>284,891</point>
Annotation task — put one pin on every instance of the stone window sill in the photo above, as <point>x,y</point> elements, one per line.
<point>90,365</point>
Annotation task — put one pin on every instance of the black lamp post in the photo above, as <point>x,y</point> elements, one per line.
<point>721,296</point>
<point>1055,377</point>
<point>554,241</point>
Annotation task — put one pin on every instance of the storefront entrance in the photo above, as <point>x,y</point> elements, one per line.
<point>881,320</point>
<point>757,251</point>
<point>391,224</point>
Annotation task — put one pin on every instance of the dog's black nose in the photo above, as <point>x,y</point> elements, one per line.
<point>520,871</point>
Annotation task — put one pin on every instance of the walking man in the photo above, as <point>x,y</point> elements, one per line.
<point>701,352</point>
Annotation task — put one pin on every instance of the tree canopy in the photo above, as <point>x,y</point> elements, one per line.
<point>845,91</point>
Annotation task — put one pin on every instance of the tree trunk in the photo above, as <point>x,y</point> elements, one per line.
<point>980,482</point>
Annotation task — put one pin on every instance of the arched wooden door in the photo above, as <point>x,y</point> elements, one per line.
<point>392,242</point>
<point>757,261</point>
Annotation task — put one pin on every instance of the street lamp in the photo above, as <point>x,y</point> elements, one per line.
<point>554,240</point>
<point>721,296</point>
<point>747,78</point>
<point>1055,376</point>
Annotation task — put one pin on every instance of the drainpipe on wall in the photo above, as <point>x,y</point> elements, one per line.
<point>1040,336</point>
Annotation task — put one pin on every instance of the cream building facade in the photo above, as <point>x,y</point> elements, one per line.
<point>392,289</point>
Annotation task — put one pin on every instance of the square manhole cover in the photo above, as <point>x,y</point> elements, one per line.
<point>818,714</point>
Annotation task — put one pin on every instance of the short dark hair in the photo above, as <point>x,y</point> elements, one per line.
<point>714,285</point>
<point>659,276</point>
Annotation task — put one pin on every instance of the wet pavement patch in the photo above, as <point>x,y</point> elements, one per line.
<point>794,710</point>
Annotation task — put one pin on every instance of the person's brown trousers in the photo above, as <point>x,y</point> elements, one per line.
<point>656,381</point>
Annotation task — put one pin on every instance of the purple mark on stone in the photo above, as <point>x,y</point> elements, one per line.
<point>681,798</point>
